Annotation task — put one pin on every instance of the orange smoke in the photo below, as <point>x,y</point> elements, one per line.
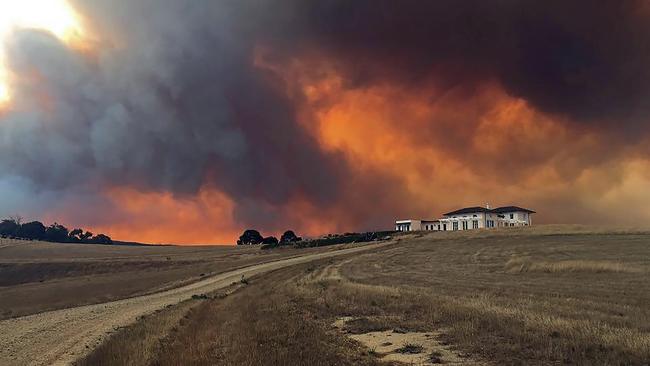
<point>154,217</point>
<point>452,147</point>
<point>206,218</point>
<point>437,149</point>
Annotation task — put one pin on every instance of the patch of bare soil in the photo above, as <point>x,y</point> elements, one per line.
<point>412,348</point>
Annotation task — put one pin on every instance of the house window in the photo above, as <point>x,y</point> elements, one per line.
<point>475,224</point>
<point>454,225</point>
<point>490,223</point>
<point>464,225</point>
<point>512,216</point>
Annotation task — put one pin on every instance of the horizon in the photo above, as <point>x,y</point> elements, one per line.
<point>180,122</point>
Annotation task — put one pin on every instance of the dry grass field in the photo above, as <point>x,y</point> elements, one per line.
<point>40,276</point>
<point>533,296</point>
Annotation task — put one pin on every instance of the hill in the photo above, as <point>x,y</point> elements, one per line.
<point>534,296</point>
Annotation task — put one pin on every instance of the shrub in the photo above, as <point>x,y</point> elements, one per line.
<point>410,348</point>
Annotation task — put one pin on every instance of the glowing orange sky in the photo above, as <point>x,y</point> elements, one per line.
<point>415,150</point>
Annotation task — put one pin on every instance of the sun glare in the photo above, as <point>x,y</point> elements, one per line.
<point>54,16</point>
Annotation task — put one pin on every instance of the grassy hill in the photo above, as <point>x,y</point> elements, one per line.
<point>533,296</point>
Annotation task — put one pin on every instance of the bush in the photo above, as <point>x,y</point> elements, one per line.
<point>346,238</point>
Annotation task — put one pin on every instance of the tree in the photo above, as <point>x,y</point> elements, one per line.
<point>8,227</point>
<point>100,239</point>
<point>34,230</point>
<point>250,237</point>
<point>16,218</point>
<point>75,236</point>
<point>85,237</point>
<point>57,233</point>
<point>79,236</point>
<point>289,237</point>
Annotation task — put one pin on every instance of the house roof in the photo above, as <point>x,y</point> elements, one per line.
<point>498,210</point>
<point>468,210</point>
<point>505,209</point>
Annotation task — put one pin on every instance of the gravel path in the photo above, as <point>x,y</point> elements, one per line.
<point>60,337</point>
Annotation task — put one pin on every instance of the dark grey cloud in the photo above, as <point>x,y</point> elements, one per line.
<point>176,105</point>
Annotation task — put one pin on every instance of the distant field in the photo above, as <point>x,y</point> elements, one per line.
<point>39,276</point>
<point>530,296</point>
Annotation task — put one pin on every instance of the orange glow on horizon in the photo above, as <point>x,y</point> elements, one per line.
<point>161,218</point>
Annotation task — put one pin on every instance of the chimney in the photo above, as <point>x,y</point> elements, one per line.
<point>487,205</point>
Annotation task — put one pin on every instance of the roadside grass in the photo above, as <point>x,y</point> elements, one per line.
<point>139,343</point>
<point>261,325</point>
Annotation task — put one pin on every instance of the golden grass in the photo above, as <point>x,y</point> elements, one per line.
<point>593,310</point>
<point>528,264</point>
<point>259,325</point>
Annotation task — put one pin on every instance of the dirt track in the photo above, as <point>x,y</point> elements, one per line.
<point>60,337</point>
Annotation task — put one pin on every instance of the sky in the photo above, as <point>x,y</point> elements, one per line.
<point>188,121</point>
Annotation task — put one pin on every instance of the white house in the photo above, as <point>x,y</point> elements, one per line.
<point>470,218</point>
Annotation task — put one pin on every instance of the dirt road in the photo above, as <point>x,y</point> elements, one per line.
<point>60,337</point>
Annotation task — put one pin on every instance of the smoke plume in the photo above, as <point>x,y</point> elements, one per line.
<point>187,121</point>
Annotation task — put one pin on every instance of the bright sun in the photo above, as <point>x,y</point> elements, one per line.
<point>55,16</point>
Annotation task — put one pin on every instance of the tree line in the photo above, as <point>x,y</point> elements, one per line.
<point>13,227</point>
<point>253,237</point>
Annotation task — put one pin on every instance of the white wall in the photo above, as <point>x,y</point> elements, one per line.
<point>408,225</point>
<point>469,219</point>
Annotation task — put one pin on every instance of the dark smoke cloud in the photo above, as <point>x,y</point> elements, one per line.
<point>173,101</point>
<point>180,103</point>
<point>584,59</point>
